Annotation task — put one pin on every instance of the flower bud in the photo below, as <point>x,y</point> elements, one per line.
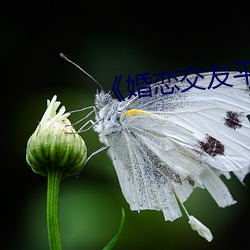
<point>55,144</point>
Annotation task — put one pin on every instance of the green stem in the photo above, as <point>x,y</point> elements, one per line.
<point>54,177</point>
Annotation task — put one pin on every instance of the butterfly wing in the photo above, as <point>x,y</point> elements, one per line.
<point>216,117</point>
<point>141,183</point>
<point>171,145</point>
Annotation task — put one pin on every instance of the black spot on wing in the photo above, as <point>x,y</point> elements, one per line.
<point>212,146</point>
<point>233,119</point>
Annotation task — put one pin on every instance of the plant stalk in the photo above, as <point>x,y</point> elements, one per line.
<point>53,186</point>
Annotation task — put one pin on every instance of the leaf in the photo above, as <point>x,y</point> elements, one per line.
<point>117,234</point>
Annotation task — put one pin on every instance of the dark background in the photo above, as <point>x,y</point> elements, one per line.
<point>106,39</point>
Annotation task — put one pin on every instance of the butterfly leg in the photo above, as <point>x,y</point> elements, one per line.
<point>82,129</point>
<point>96,152</point>
<point>86,116</point>
<point>92,154</point>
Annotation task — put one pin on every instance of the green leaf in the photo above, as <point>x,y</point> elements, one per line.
<point>117,234</point>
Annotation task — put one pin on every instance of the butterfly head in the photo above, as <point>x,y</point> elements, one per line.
<point>102,99</point>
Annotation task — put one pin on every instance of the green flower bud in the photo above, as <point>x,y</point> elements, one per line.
<point>55,144</point>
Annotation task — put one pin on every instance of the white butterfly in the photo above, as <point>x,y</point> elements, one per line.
<point>164,146</point>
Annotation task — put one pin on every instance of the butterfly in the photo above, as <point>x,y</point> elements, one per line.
<point>165,146</point>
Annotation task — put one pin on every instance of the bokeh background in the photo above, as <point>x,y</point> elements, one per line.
<point>106,39</point>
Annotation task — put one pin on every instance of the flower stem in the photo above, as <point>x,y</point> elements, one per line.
<point>54,177</point>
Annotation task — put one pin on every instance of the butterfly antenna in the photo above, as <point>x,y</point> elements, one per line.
<point>68,60</point>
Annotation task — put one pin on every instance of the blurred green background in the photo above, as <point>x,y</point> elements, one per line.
<point>106,39</point>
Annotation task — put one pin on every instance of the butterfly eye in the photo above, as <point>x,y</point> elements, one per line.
<point>106,99</point>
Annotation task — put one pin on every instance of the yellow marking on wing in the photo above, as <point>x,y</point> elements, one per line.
<point>137,112</point>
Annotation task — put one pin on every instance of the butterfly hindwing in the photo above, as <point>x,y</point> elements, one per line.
<point>142,184</point>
